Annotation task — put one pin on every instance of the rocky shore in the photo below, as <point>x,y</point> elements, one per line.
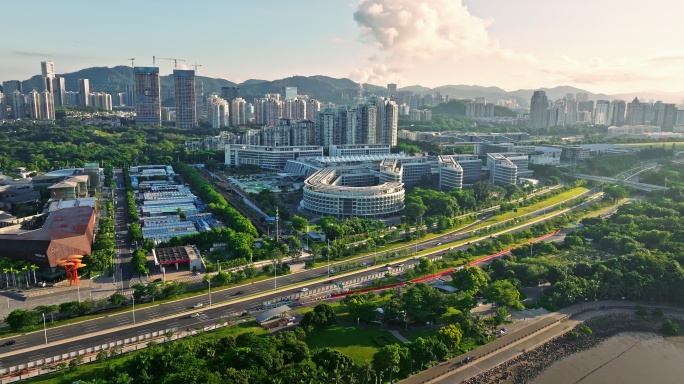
<point>530,364</point>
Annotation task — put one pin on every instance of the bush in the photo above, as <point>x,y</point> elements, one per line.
<point>586,330</point>
<point>670,328</point>
<point>641,311</point>
<point>657,312</point>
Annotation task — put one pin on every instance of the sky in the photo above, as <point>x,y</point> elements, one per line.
<point>603,46</point>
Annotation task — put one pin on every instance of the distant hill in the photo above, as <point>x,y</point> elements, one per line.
<point>327,89</point>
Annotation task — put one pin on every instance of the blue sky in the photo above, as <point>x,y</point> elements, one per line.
<point>599,45</point>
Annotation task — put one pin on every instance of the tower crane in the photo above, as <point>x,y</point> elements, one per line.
<point>132,59</point>
<point>175,61</point>
<point>195,65</point>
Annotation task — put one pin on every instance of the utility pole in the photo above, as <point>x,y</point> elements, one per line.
<point>132,59</point>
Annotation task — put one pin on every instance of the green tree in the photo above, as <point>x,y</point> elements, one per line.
<point>450,335</point>
<point>503,293</point>
<point>117,300</point>
<point>470,279</point>
<point>299,223</point>
<point>388,358</point>
<point>22,318</point>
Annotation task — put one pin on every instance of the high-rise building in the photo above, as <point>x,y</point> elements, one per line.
<point>601,112</point>
<point>3,107</point>
<point>58,89</point>
<point>268,110</point>
<point>391,90</point>
<point>571,112</point>
<point>119,99</point>
<point>41,105</point>
<point>294,109</point>
<point>147,96</point>
<point>616,113</point>
<point>17,103</point>
<point>186,98</point>
<point>325,127</point>
<point>390,120</point>
<point>238,112</point>
<point>9,86</point>
<point>290,92</point>
<point>217,112</point>
<point>130,95</point>
<point>345,126</point>
<point>100,100</point>
<point>84,92</point>
<point>230,93</point>
<point>47,70</point>
<point>538,110</point>
<point>636,112</point>
<point>312,108</point>
<point>365,128</point>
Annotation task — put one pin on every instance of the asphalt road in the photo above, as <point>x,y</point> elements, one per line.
<point>182,320</point>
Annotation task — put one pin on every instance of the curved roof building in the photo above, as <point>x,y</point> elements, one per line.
<point>351,192</point>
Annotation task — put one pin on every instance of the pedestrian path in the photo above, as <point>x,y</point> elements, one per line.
<point>398,335</point>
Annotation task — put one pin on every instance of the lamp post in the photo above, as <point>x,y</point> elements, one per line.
<point>45,329</point>
<point>78,288</point>
<point>275,275</point>
<point>209,281</point>
<point>133,297</point>
<point>328,238</point>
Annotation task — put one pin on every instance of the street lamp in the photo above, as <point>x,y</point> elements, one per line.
<point>275,275</point>
<point>209,281</point>
<point>45,329</point>
<point>328,238</point>
<point>78,288</point>
<point>133,297</point>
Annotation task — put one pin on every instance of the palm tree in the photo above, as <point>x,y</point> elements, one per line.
<point>25,269</point>
<point>14,276</point>
<point>33,268</point>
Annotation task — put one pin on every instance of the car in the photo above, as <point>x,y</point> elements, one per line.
<point>9,342</point>
<point>238,293</point>
<point>198,305</point>
<point>388,265</point>
<point>363,265</point>
<point>159,280</point>
<point>331,281</point>
<point>400,265</point>
<point>195,315</point>
<point>304,289</point>
<point>439,243</point>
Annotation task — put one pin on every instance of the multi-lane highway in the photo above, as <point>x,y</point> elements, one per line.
<point>228,304</point>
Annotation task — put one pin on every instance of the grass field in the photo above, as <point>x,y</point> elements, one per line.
<point>356,342</point>
<point>679,145</point>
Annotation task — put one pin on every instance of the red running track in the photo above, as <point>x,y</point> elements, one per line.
<point>447,272</point>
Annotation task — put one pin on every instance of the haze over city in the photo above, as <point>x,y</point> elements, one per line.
<point>530,44</point>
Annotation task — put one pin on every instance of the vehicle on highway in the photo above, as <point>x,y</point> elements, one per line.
<point>195,315</point>
<point>400,265</point>
<point>304,290</point>
<point>388,265</point>
<point>198,305</point>
<point>439,243</point>
<point>238,293</point>
<point>8,343</point>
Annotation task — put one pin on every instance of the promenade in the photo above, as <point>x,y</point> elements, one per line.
<point>513,344</point>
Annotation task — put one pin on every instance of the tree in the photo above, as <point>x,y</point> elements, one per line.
<point>321,317</point>
<point>422,303</point>
<point>330,360</point>
<point>450,335</point>
<point>470,280</point>
<point>299,223</point>
<point>22,318</point>
<point>503,293</point>
<point>388,358</point>
<point>117,300</point>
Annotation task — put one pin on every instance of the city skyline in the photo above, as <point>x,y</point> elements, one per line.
<point>529,45</point>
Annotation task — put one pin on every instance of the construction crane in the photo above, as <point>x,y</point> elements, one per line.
<point>195,65</point>
<point>132,59</point>
<point>175,61</point>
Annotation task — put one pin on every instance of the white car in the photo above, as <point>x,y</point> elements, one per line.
<point>198,305</point>
<point>304,290</point>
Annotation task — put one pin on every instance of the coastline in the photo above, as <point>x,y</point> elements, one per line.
<point>529,365</point>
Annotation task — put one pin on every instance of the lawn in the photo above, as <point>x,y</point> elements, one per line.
<point>414,334</point>
<point>355,342</point>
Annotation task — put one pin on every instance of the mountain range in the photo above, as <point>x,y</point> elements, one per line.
<point>328,89</point>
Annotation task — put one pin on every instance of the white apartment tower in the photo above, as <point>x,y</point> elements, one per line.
<point>84,92</point>
<point>238,113</point>
<point>217,112</point>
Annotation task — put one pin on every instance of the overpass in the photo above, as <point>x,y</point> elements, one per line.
<point>610,180</point>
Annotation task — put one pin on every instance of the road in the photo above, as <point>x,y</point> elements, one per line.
<point>227,303</point>
<point>123,269</point>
